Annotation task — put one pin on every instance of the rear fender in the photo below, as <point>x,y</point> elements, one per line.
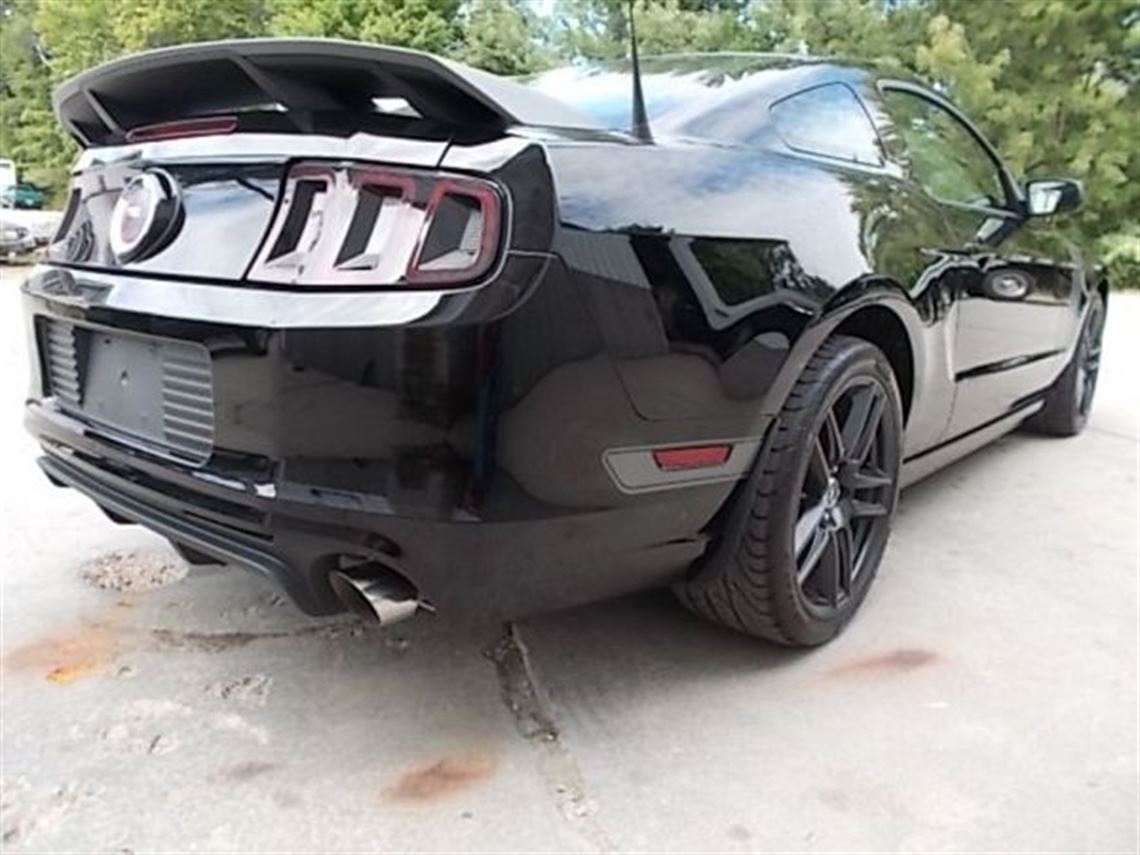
<point>927,392</point>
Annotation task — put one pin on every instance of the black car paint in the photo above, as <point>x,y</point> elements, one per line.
<point>648,295</point>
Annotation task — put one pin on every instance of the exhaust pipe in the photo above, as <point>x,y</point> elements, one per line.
<point>377,594</point>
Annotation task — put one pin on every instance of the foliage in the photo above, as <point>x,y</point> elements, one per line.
<point>499,36</point>
<point>1120,252</point>
<point>1057,93</point>
<point>29,134</point>
<point>1054,83</point>
<point>599,29</point>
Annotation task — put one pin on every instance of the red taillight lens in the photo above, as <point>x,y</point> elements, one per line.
<point>692,457</point>
<point>183,128</point>
<point>459,235</point>
<point>350,225</point>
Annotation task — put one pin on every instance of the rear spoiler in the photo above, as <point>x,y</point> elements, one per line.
<point>293,80</point>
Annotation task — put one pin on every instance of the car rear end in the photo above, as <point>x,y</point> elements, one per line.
<point>305,318</point>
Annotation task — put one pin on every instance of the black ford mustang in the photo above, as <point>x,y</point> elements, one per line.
<point>404,336</point>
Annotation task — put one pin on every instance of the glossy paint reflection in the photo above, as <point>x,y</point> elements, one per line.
<point>646,296</point>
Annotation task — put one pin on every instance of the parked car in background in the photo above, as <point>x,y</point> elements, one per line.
<point>15,240</point>
<point>8,174</point>
<point>408,337</point>
<point>41,225</point>
<point>23,195</point>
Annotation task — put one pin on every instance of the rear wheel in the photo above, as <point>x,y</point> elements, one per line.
<point>819,505</point>
<point>1069,400</point>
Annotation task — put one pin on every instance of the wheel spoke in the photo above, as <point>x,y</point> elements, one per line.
<point>845,561</point>
<point>859,508</point>
<point>807,525</point>
<point>819,460</point>
<point>815,551</point>
<point>834,438</point>
<point>867,478</point>
<point>862,422</point>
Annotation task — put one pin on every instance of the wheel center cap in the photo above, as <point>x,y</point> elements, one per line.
<point>831,493</point>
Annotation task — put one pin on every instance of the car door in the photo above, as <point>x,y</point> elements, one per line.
<point>1011,312</point>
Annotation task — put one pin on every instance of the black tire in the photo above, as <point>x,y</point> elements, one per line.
<point>1069,400</point>
<point>752,582</point>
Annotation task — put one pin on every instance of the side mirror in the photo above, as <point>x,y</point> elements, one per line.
<point>1045,196</point>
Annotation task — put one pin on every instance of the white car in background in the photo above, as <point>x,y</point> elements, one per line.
<point>14,239</point>
<point>38,224</point>
<point>41,225</point>
<point>7,174</point>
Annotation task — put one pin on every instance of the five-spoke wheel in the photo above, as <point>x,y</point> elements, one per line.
<point>846,494</point>
<point>818,505</point>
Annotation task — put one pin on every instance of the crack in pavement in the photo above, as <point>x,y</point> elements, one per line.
<point>534,721</point>
<point>216,642</point>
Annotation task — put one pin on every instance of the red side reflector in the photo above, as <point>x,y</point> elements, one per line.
<point>183,128</point>
<point>693,457</point>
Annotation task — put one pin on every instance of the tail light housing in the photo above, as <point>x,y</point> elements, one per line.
<point>362,225</point>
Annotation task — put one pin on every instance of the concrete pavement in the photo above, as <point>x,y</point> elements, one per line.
<point>984,700</point>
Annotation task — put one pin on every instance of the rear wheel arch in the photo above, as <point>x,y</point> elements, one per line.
<point>883,328</point>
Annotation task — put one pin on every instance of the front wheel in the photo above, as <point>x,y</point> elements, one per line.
<point>819,505</point>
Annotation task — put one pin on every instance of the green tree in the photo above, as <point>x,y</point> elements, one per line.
<point>599,29</point>
<point>29,134</point>
<point>1054,83</point>
<point>75,34</point>
<point>421,24</point>
<point>867,30</point>
<point>1057,92</point>
<point>142,24</point>
<point>502,37</point>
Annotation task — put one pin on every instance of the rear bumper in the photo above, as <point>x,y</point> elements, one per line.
<point>474,450</point>
<point>293,535</point>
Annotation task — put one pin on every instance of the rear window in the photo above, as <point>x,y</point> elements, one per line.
<point>828,121</point>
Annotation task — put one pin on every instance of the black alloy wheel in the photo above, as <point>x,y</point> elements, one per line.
<point>846,497</point>
<point>814,518</point>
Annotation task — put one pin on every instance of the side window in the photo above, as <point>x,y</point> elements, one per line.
<point>941,153</point>
<point>830,121</point>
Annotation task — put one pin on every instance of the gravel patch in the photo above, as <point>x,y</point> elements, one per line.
<point>133,571</point>
<point>250,691</point>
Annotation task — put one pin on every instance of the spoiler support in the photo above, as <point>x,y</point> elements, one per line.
<point>293,79</point>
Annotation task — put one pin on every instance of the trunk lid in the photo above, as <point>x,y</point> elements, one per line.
<point>222,123</point>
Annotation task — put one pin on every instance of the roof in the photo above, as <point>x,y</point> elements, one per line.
<point>682,90</point>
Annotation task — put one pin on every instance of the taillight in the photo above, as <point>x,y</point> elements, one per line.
<point>355,225</point>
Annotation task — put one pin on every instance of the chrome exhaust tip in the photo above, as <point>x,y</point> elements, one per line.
<point>377,594</point>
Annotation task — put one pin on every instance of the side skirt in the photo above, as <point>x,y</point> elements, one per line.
<point>918,467</point>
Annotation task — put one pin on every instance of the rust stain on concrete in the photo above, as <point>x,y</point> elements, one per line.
<point>65,658</point>
<point>900,661</point>
<point>443,777</point>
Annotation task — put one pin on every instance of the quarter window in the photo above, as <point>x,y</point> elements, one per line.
<point>942,154</point>
<point>830,121</point>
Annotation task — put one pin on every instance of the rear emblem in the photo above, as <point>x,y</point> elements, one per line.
<point>146,216</point>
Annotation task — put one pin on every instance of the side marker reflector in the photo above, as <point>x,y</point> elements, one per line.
<point>691,457</point>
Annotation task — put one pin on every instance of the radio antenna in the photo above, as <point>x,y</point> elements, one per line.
<point>640,123</point>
